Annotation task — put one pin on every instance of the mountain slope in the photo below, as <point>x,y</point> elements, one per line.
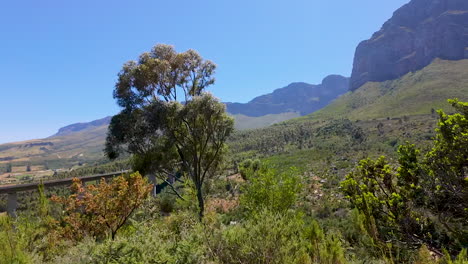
<point>418,32</point>
<point>64,149</point>
<point>298,97</point>
<point>73,128</point>
<point>413,94</point>
<point>243,122</point>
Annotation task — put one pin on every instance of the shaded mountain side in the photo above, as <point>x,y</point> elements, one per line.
<point>297,97</point>
<point>418,32</point>
<point>413,94</point>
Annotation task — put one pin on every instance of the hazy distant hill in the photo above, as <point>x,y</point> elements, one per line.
<point>74,144</point>
<point>301,98</point>
<point>73,128</point>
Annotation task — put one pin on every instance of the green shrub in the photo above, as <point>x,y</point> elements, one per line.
<point>462,258</point>
<point>12,244</point>
<point>166,202</point>
<point>424,256</point>
<point>420,201</point>
<point>272,237</point>
<point>268,189</point>
<point>248,166</point>
<point>27,238</point>
<point>171,240</point>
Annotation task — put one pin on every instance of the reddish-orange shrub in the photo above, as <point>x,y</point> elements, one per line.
<point>101,210</point>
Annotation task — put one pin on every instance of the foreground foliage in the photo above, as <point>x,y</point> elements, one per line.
<point>423,201</point>
<point>410,207</point>
<point>101,210</point>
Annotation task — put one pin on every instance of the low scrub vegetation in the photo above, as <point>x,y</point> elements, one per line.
<point>408,211</point>
<point>334,191</point>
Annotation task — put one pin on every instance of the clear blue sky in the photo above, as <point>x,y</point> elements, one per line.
<point>59,59</point>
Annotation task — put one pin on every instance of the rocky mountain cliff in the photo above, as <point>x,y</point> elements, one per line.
<point>418,32</point>
<point>299,97</point>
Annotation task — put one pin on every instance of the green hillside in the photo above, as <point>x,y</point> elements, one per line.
<point>243,122</point>
<point>386,114</point>
<point>413,94</point>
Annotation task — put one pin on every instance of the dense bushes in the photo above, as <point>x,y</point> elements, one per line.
<point>27,238</point>
<point>267,232</point>
<point>248,166</point>
<point>175,239</point>
<point>424,200</point>
<point>304,135</point>
<point>406,210</point>
<point>272,237</point>
<point>100,210</point>
<point>12,246</point>
<point>270,190</point>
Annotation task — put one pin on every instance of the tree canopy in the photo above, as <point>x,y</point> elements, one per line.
<point>169,122</point>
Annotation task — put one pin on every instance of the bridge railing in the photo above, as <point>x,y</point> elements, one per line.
<point>12,190</point>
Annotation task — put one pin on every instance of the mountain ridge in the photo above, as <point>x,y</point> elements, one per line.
<point>77,127</point>
<point>299,97</point>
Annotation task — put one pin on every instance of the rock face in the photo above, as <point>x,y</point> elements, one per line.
<point>297,97</point>
<point>418,32</point>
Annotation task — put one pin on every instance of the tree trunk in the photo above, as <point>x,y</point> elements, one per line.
<point>201,203</point>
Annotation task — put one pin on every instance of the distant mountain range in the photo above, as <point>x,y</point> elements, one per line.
<point>294,100</point>
<point>300,97</point>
